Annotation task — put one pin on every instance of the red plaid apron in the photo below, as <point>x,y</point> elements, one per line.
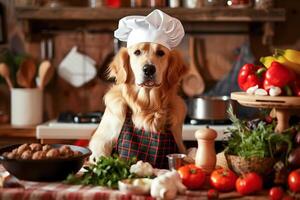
<point>148,146</point>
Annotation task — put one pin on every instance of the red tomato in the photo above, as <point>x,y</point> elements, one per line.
<point>294,180</point>
<point>276,193</point>
<point>223,179</point>
<point>249,183</point>
<point>192,176</point>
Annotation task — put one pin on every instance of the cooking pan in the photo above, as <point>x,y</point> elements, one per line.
<point>46,169</point>
<point>209,107</point>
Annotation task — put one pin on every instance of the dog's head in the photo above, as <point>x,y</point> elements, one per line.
<point>147,65</point>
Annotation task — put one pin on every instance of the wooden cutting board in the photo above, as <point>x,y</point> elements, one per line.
<point>284,102</point>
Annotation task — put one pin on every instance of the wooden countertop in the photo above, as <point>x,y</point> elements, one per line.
<point>7,130</point>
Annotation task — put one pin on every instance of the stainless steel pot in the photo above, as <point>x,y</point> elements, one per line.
<point>209,108</point>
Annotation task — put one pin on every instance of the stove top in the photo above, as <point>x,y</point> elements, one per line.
<point>80,118</point>
<point>95,117</point>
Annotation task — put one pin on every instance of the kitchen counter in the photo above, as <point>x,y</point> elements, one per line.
<point>55,130</point>
<point>15,134</point>
<point>58,190</point>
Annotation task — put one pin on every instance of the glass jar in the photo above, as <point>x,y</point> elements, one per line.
<point>96,3</point>
<point>263,4</point>
<point>138,3</point>
<point>157,3</point>
<point>239,3</point>
<point>214,3</point>
<point>174,3</point>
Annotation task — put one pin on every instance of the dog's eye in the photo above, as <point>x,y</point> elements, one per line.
<point>137,52</point>
<point>160,53</point>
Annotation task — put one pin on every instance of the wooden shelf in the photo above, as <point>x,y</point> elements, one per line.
<point>7,130</point>
<point>185,15</point>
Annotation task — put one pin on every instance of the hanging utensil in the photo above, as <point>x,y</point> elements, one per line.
<point>193,83</point>
<point>45,73</point>
<point>26,73</point>
<point>5,73</point>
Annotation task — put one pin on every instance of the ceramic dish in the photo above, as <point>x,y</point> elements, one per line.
<point>44,169</point>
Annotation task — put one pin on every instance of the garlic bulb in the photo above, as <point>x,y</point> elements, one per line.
<point>142,169</point>
<point>166,186</point>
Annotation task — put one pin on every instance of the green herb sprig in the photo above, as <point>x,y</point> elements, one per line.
<point>107,171</point>
<point>261,141</point>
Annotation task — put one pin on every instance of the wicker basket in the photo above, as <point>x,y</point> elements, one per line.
<point>241,165</point>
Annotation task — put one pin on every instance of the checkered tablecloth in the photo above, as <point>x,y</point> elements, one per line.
<point>60,191</point>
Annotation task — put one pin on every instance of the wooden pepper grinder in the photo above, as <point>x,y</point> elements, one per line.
<point>206,153</point>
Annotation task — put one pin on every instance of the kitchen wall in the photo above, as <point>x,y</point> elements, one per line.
<point>215,58</point>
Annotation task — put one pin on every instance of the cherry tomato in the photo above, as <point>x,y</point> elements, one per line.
<point>212,194</point>
<point>276,193</point>
<point>294,180</point>
<point>192,176</point>
<point>223,179</point>
<point>249,183</point>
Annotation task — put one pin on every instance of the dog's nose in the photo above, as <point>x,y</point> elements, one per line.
<point>149,69</point>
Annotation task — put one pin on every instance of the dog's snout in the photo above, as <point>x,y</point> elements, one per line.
<point>149,69</point>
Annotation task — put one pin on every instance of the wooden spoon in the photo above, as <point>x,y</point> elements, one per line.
<point>45,73</point>
<point>5,73</point>
<point>26,73</point>
<point>193,83</point>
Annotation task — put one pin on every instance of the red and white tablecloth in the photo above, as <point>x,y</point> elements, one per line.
<point>60,191</point>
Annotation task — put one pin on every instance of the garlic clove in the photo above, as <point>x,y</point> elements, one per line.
<point>275,91</point>
<point>251,90</point>
<point>261,92</point>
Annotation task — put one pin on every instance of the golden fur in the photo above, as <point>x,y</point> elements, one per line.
<point>153,108</point>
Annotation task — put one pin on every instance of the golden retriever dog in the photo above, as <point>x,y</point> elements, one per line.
<point>147,76</point>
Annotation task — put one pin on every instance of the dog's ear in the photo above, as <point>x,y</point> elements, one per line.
<point>119,67</point>
<point>176,69</point>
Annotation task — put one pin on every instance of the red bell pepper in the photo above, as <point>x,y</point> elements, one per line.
<point>279,76</point>
<point>251,75</point>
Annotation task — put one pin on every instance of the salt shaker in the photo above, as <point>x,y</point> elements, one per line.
<point>206,153</point>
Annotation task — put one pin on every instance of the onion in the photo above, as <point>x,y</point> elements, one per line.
<point>294,158</point>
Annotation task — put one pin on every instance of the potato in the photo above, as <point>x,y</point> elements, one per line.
<point>11,155</point>
<point>65,151</point>
<point>52,153</point>
<point>15,151</point>
<point>27,154</point>
<point>23,148</point>
<point>38,155</point>
<point>46,147</point>
<point>5,154</point>
<point>35,147</point>
<point>77,153</point>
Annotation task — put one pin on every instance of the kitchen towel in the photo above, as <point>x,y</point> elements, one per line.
<point>77,68</point>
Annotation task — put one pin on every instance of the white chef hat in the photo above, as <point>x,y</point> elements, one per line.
<point>157,27</point>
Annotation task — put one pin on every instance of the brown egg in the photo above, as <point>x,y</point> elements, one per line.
<point>35,147</point>
<point>27,154</point>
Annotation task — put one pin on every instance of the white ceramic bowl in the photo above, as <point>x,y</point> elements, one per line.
<point>135,186</point>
